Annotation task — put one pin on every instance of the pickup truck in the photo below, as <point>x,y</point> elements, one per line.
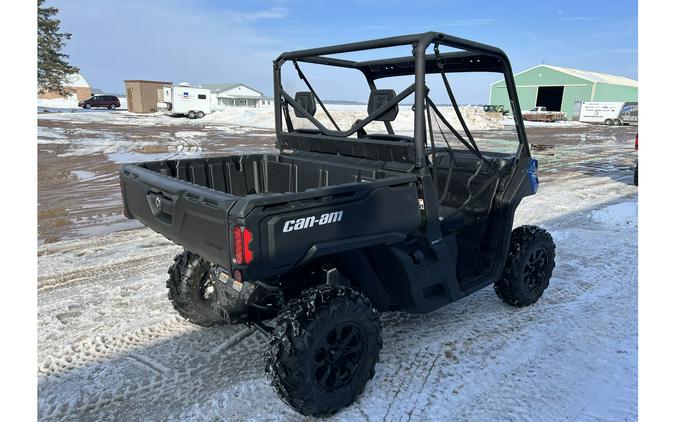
<point>309,243</point>
<point>541,114</point>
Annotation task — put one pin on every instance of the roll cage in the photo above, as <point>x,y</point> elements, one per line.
<point>471,57</point>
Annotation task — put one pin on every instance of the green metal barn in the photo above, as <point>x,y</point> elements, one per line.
<point>559,88</point>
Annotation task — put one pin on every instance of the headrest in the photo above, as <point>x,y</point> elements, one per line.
<point>306,101</point>
<point>380,97</point>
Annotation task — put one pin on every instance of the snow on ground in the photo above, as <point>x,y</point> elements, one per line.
<point>237,120</point>
<point>619,215</point>
<point>122,148</point>
<point>508,121</point>
<point>111,347</point>
<point>66,104</point>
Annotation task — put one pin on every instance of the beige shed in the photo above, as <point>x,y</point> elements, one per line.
<point>142,96</point>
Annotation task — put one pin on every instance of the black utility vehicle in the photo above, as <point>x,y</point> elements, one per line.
<point>309,243</point>
<point>110,102</point>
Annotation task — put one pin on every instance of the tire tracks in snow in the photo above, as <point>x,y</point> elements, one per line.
<point>88,359</point>
<point>560,302</point>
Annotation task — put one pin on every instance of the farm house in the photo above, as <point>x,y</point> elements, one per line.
<point>559,88</point>
<point>235,95</point>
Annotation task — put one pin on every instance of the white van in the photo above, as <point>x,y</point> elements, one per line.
<point>185,100</point>
<point>609,113</point>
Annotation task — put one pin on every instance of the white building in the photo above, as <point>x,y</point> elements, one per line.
<point>236,95</point>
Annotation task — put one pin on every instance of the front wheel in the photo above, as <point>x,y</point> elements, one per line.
<point>324,349</point>
<point>528,268</point>
<point>112,107</point>
<point>87,106</point>
<point>189,291</point>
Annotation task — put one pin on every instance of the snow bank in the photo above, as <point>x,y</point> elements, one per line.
<point>346,115</point>
<point>240,120</point>
<point>69,102</point>
<point>617,215</point>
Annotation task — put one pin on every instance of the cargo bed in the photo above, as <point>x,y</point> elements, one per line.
<point>196,202</point>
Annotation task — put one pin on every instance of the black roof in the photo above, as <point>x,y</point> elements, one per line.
<point>472,57</point>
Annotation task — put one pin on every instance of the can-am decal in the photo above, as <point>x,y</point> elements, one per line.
<point>311,221</point>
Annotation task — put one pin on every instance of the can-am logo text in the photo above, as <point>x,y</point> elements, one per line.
<point>311,221</point>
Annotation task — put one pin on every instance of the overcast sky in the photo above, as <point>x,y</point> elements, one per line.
<point>202,41</point>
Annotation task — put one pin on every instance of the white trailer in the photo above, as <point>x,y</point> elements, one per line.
<point>609,113</point>
<point>184,100</point>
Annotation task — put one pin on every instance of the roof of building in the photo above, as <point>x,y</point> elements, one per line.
<point>595,76</point>
<point>586,75</point>
<point>226,87</point>
<point>148,81</point>
<point>75,80</point>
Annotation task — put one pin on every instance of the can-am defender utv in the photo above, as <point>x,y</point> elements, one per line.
<point>309,243</point>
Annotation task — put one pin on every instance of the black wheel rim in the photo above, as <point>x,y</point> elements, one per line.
<point>339,356</point>
<point>535,268</point>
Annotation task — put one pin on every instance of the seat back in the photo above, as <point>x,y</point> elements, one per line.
<point>378,98</point>
<point>306,100</point>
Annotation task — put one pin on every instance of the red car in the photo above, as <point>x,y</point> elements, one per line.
<point>108,101</point>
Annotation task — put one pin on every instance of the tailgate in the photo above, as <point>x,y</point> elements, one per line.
<point>190,215</point>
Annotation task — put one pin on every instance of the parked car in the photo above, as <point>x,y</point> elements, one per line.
<point>108,101</point>
<point>309,243</point>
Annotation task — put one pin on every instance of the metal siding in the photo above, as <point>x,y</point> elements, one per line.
<point>572,94</point>
<point>608,92</point>
<point>499,96</point>
<point>527,96</point>
<point>527,83</point>
<point>576,89</point>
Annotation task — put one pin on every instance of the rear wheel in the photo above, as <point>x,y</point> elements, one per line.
<point>528,267</point>
<point>190,290</point>
<point>617,122</point>
<point>191,114</point>
<point>200,114</point>
<point>324,349</point>
<point>608,122</point>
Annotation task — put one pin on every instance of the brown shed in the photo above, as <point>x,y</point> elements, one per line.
<point>142,96</point>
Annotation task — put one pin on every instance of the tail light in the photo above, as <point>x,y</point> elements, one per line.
<point>636,141</point>
<point>241,242</point>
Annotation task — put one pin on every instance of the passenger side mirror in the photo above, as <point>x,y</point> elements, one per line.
<point>306,100</point>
